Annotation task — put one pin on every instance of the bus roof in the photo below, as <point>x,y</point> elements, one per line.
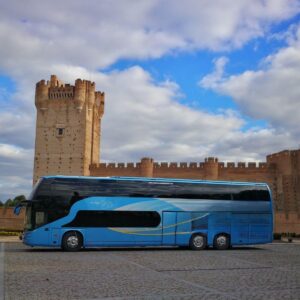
<point>150,179</point>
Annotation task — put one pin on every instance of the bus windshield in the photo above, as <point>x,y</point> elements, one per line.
<point>43,207</point>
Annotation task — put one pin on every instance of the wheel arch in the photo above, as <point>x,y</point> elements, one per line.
<point>200,233</point>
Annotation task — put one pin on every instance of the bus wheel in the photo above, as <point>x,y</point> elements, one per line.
<point>72,241</point>
<point>198,242</point>
<point>222,241</point>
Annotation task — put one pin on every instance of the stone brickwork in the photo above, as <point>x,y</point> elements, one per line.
<point>67,127</point>
<point>9,221</point>
<point>68,142</point>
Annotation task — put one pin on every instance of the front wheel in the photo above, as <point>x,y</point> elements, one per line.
<point>72,241</point>
<point>198,242</point>
<point>222,242</point>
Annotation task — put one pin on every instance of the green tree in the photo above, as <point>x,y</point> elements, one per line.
<point>18,199</point>
<point>1,203</point>
<point>8,202</point>
<point>15,201</point>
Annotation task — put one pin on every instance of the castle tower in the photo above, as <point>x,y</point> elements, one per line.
<point>287,180</point>
<point>67,127</point>
<point>211,168</point>
<point>146,167</point>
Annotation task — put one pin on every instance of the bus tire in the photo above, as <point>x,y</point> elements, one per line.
<point>198,241</point>
<point>222,241</point>
<point>72,241</point>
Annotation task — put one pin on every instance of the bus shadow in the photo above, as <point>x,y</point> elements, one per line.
<point>136,249</point>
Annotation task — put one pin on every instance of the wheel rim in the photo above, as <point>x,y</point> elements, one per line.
<point>221,241</point>
<point>198,241</point>
<point>72,241</point>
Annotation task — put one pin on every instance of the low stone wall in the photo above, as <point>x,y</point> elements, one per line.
<point>287,223</point>
<point>9,221</point>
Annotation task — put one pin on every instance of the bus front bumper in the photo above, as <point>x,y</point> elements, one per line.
<point>28,238</point>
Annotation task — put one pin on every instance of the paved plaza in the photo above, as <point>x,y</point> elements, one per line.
<point>260,272</point>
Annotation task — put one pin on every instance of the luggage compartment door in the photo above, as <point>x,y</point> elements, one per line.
<point>169,228</point>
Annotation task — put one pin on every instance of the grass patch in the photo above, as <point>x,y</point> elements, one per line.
<point>9,233</point>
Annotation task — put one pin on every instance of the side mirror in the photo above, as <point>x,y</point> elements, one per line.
<point>17,209</point>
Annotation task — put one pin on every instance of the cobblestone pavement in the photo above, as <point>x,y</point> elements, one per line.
<point>261,272</point>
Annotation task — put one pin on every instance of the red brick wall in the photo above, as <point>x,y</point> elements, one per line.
<point>10,221</point>
<point>287,223</point>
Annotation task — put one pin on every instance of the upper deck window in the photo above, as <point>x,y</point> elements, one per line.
<point>109,187</point>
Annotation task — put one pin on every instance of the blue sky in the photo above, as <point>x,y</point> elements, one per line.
<point>183,81</point>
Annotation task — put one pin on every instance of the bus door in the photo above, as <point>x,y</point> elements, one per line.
<point>169,228</point>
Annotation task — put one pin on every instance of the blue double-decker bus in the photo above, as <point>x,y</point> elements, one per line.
<point>80,212</point>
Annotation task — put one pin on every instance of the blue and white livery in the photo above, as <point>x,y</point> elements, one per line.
<point>81,212</point>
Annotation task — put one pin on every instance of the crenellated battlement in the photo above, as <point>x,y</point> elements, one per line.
<point>285,154</point>
<point>244,165</point>
<point>109,166</point>
<point>62,92</point>
<point>86,83</point>
<point>204,169</point>
<point>180,165</point>
<point>82,93</point>
<point>42,83</point>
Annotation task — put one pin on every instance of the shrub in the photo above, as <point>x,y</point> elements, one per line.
<point>277,236</point>
<point>9,233</point>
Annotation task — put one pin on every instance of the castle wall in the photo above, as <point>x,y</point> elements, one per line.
<point>115,169</point>
<point>9,221</point>
<point>179,170</point>
<point>284,223</point>
<point>287,180</point>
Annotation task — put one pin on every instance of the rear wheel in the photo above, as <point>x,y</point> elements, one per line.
<point>198,242</point>
<point>72,241</point>
<point>222,242</point>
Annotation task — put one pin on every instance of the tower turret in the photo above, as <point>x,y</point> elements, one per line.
<point>146,167</point>
<point>54,81</point>
<point>99,102</point>
<point>41,95</point>
<point>90,88</point>
<point>211,168</point>
<point>79,96</point>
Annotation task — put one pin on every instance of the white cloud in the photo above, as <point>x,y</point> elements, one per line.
<point>74,39</point>
<point>10,151</point>
<point>271,93</point>
<point>145,118</point>
<point>16,166</point>
<point>95,34</point>
<point>214,79</point>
